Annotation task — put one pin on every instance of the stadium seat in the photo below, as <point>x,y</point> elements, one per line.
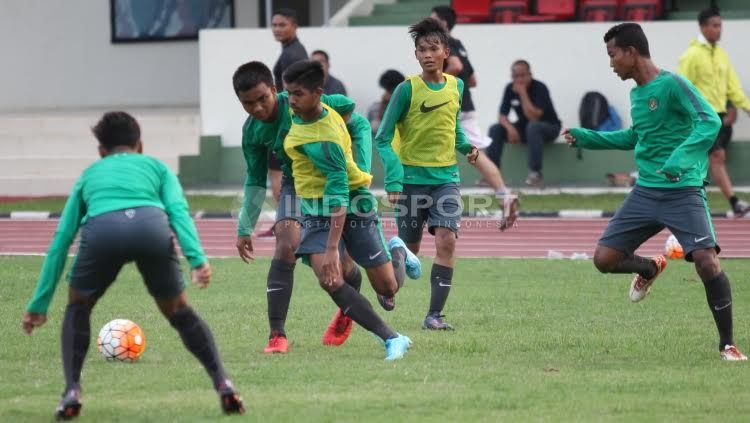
<point>641,10</point>
<point>597,10</point>
<point>508,11</point>
<point>537,18</point>
<point>563,9</point>
<point>471,11</point>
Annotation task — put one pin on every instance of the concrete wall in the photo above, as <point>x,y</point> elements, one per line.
<point>569,58</point>
<point>57,55</point>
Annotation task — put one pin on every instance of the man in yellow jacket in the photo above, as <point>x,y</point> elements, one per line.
<point>707,66</point>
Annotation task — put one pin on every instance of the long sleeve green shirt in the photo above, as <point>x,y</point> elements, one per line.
<point>673,129</point>
<point>258,139</point>
<point>116,182</point>
<point>396,173</point>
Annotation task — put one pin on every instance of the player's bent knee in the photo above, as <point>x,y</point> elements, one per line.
<point>604,260</point>
<point>170,306</point>
<point>706,263</point>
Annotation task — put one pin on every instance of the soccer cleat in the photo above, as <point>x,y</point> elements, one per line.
<point>740,208</point>
<point>266,234</point>
<point>388,303</point>
<point>395,348</point>
<point>338,330</point>
<point>731,353</point>
<point>413,265</point>
<point>231,403</point>
<point>277,344</point>
<point>511,204</point>
<point>640,286</point>
<point>70,405</point>
<point>434,321</point>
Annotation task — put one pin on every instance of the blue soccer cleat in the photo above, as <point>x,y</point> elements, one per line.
<point>395,348</point>
<point>413,265</point>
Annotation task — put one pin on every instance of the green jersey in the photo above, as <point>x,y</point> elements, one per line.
<point>396,173</point>
<point>259,138</point>
<point>673,129</point>
<point>116,182</point>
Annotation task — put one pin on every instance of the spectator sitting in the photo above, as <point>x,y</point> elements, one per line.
<point>537,120</point>
<point>331,85</point>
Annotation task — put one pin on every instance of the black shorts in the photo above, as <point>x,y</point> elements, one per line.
<point>362,237</point>
<point>646,211</point>
<point>722,140</point>
<point>434,205</point>
<point>273,162</point>
<point>110,240</point>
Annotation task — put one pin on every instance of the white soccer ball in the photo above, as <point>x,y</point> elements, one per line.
<point>672,248</point>
<point>121,340</point>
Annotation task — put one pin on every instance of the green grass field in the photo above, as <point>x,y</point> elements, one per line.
<point>535,341</point>
<point>529,203</point>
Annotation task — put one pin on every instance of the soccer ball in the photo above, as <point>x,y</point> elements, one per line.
<point>672,248</point>
<point>121,340</point>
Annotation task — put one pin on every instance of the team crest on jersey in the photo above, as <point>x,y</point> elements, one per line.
<point>653,104</point>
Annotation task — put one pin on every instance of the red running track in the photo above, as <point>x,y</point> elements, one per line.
<point>533,237</point>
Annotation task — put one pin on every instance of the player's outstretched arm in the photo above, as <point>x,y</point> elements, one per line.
<point>623,139</point>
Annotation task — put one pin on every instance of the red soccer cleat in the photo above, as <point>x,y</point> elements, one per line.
<point>277,345</point>
<point>338,330</point>
<point>640,286</point>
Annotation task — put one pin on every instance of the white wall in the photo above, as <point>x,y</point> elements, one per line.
<point>569,58</point>
<point>56,54</point>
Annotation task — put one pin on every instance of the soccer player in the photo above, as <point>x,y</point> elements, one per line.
<point>264,130</point>
<point>458,65</point>
<point>422,179</point>
<point>338,208</point>
<point>126,205</point>
<point>673,129</point>
<point>707,66</point>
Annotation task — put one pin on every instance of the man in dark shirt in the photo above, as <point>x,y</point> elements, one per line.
<point>537,120</point>
<point>331,85</point>
<point>284,26</point>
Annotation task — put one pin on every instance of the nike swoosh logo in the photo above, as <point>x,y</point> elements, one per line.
<point>444,284</point>
<point>427,109</point>
<point>700,239</point>
<point>273,289</point>
<point>376,254</point>
<point>717,308</point>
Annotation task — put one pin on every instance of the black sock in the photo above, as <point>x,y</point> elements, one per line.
<point>733,200</point>
<point>440,279</point>
<point>278,294</point>
<point>719,296</point>
<point>636,264</point>
<point>354,305</point>
<point>76,334</point>
<point>398,258</point>
<point>199,341</point>
<point>354,278</point>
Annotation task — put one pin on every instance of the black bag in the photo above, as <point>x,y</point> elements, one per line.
<point>594,110</point>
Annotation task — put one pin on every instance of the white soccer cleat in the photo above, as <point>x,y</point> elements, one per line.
<point>640,286</point>
<point>731,353</point>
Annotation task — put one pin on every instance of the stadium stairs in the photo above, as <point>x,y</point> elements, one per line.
<point>44,152</point>
<point>402,12</point>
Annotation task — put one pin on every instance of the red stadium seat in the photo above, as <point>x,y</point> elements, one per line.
<point>508,11</point>
<point>641,10</point>
<point>597,10</point>
<point>471,11</point>
<point>537,18</point>
<point>564,9</point>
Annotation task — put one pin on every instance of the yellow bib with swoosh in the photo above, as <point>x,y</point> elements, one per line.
<point>428,133</point>
<point>309,182</point>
